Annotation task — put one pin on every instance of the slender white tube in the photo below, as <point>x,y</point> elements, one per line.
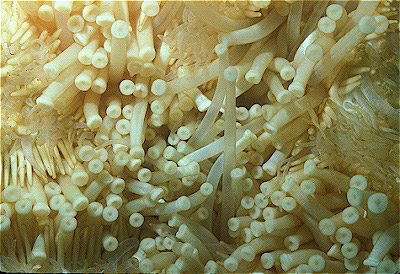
<point>85,79</point>
<point>113,110</point>
<point>46,13</point>
<point>385,242</point>
<point>110,243</point>
<point>90,12</point>
<point>106,14</point>
<point>144,34</point>
<point>73,193</point>
<point>127,87</point>
<point>58,86</point>
<point>290,260</point>
<point>75,23</point>
<point>366,25</point>
<point>39,248</point>
<point>181,204</point>
<point>228,207</point>
<point>96,186</point>
<point>99,85</point>
<point>62,61</point>
<point>134,62</point>
<point>79,176</point>
<point>63,6</point>
<point>258,245</point>
<point>41,207</point>
<point>11,193</point>
<point>261,62</point>
<point>186,235</point>
<point>86,54</point>
<point>83,37</point>
<point>310,205</point>
<point>151,8</point>
<point>136,130</point>
<point>136,219</point>
<point>254,32</point>
<point>119,44</point>
<point>91,110</point>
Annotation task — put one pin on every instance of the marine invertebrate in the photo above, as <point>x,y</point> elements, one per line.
<point>144,137</point>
